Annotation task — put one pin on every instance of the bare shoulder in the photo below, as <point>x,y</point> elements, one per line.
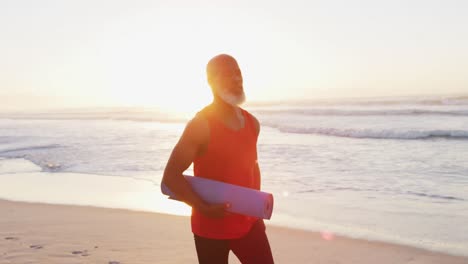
<point>197,129</point>
<point>256,123</point>
<point>190,145</point>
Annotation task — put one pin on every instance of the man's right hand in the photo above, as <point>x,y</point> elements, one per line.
<point>214,210</point>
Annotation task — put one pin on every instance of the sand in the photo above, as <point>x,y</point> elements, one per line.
<point>45,233</point>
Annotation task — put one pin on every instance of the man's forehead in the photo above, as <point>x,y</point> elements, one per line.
<point>220,63</point>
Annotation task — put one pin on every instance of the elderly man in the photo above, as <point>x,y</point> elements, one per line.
<point>221,141</point>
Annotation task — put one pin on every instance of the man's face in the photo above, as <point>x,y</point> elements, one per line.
<point>228,78</point>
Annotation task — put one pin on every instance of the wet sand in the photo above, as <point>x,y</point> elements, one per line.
<point>44,233</point>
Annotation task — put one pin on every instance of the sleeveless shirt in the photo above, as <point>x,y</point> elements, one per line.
<point>230,157</point>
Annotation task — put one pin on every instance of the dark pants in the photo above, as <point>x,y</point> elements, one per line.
<point>252,248</point>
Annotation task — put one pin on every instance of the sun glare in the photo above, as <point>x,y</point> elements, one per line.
<point>176,90</point>
<point>176,84</point>
<point>166,69</point>
<point>183,100</point>
<point>176,208</point>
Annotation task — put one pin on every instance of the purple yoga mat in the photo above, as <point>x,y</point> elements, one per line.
<point>243,200</point>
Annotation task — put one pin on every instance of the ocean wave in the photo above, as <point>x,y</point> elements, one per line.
<point>29,152</point>
<point>28,148</point>
<point>351,112</point>
<point>137,116</point>
<point>376,134</point>
<point>391,192</point>
<point>431,100</point>
<point>436,196</point>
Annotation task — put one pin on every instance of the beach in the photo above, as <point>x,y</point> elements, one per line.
<point>45,233</point>
<point>342,174</point>
<point>362,110</point>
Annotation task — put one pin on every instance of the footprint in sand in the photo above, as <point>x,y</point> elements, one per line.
<point>11,238</point>
<point>83,253</point>
<point>36,246</point>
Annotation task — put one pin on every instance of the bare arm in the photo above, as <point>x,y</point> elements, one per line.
<point>189,146</point>
<point>257,179</point>
<point>257,175</point>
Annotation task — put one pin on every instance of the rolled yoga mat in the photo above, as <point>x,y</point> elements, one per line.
<point>243,200</point>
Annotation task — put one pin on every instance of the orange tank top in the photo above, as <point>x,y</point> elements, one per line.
<point>230,157</point>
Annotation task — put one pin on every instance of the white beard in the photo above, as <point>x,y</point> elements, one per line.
<point>232,99</point>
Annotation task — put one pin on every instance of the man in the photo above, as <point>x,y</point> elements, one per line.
<point>221,141</point>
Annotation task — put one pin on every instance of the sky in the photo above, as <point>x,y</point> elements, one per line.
<point>153,53</point>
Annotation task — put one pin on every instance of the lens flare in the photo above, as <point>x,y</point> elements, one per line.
<point>328,236</point>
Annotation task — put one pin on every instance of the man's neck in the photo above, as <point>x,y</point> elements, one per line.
<point>225,110</point>
<point>230,115</point>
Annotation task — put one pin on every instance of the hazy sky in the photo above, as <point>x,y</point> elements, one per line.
<point>153,53</point>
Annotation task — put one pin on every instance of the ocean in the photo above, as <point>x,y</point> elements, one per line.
<point>389,169</point>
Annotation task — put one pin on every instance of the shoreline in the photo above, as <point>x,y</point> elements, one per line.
<point>23,181</point>
<point>52,233</point>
